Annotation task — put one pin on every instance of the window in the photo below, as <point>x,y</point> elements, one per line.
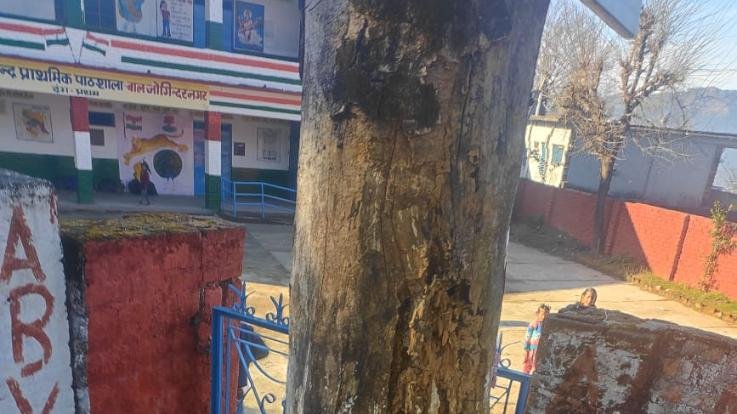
<point>557,156</point>
<point>102,119</point>
<point>97,137</point>
<point>100,13</point>
<point>542,151</point>
<point>269,144</point>
<point>543,157</point>
<point>725,178</point>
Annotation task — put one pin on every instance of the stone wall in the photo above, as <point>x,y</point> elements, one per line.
<point>141,289</point>
<point>35,373</point>
<point>610,362</point>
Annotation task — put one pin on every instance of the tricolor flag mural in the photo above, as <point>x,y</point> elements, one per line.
<point>95,44</point>
<point>56,37</point>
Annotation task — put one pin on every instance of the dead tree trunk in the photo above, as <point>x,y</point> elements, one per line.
<point>413,122</point>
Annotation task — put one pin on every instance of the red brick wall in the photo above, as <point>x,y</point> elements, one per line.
<point>148,302</point>
<point>533,199</point>
<point>647,234</point>
<point>573,213</point>
<point>696,246</point>
<point>671,243</point>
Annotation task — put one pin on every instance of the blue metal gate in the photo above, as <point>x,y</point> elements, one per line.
<point>246,348</point>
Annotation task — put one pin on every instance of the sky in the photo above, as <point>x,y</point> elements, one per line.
<point>721,69</point>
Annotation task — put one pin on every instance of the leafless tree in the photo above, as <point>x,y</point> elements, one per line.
<point>674,39</point>
<point>549,69</point>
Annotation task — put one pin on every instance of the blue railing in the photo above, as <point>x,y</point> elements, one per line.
<point>245,347</point>
<point>257,196</point>
<point>240,340</point>
<point>501,392</point>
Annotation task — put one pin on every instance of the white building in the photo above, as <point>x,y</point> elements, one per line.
<point>696,169</point>
<point>200,89</point>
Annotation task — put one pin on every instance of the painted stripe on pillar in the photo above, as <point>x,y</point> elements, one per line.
<point>82,151</point>
<point>79,113</point>
<point>212,126</point>
<point>212,159</point>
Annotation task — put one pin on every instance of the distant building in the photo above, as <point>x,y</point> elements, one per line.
<point>203,90</point>
<point>695,168</point>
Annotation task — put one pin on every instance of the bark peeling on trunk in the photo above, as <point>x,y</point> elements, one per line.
<point>412,127</point>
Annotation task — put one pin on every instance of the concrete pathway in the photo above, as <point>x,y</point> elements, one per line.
<point>268,253</point>
<point>533,277</point>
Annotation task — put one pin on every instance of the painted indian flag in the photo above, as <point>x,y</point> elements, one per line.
<point>56,37</point>
<point>95,43</point>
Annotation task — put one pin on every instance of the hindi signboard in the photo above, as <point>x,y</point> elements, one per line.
<point>44,77</point>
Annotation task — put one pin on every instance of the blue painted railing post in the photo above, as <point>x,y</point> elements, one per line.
<point>227,367</point>
<point>216,358</point>
<point>262,200</point>
<point>524,390</point>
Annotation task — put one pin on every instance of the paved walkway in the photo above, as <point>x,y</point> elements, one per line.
<point>533,277</point>
<point>128,203</point>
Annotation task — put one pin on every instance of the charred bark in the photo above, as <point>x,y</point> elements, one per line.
<point>412,131</point>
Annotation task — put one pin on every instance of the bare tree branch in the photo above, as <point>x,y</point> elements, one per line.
<point>675,37</point>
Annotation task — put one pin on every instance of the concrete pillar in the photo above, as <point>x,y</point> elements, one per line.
<point>214,23</point>
<point>118,312</point>
<point>35,362</point>
<point>79,113</point>
<point>213,168</point>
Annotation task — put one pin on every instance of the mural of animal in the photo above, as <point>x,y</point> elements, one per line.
<point>141,146</point>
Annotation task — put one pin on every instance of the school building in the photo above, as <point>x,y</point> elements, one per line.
<point>202,90</point>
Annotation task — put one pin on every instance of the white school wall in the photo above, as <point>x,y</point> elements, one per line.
<point>61,126</point>
<point>245,131</point>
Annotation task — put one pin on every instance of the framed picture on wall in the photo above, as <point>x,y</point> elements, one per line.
<point>269,144</point>
<point>248,26</point>
<point>33,123</point>
<point>239,149</point>
<point>168,19</point>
